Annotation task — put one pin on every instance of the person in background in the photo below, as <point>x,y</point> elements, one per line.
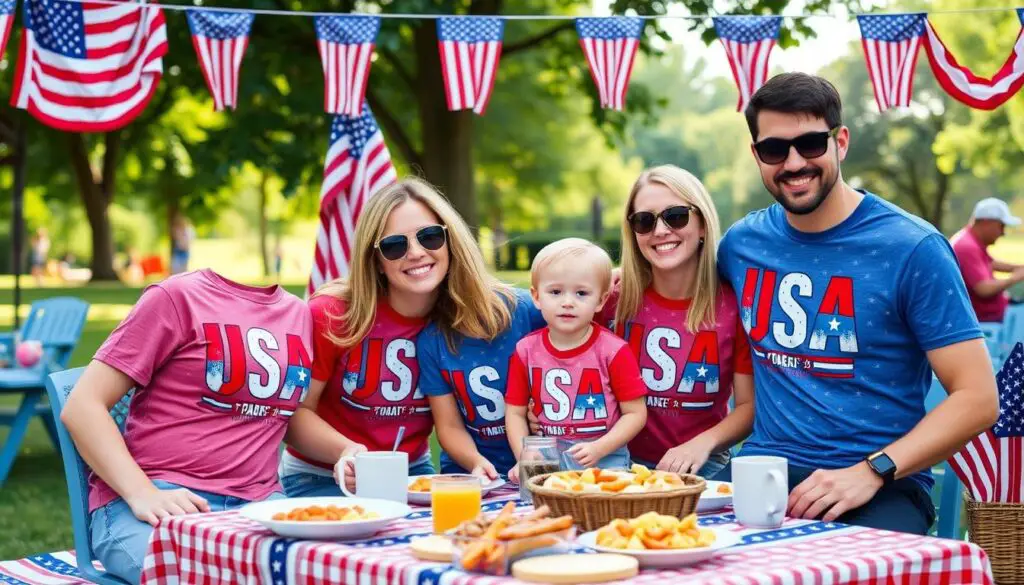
<point>182,235</point>
<point>989,295</point>
<point>584,381</point>
<point>40,253</point>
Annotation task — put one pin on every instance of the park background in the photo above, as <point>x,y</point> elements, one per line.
<point>544,162</point>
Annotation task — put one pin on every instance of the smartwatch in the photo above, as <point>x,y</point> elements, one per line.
<point>882,465</point>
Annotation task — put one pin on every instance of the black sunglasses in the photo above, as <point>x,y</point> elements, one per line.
<point>394,247</point>
<point>773,151</point>
<point>675,217</point>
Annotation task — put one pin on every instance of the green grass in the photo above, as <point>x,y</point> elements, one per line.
<point>34,514</point>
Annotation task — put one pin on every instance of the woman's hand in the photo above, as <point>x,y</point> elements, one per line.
<point>155,505</point>
<point>350,469</point>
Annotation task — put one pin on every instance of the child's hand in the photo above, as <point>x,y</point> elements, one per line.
<point>158,504</point>
<point>485,470</point>
<point>586,454</point>
<point>688,457</point>
<point>533,421</point>
<point>513,474</point>
<point>350,469</point>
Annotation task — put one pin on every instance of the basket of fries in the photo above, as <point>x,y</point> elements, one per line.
<point>595,497</point>
<point>491,545</point>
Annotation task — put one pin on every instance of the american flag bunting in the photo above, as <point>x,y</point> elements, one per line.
<point>470,49</point>
<point>88,67</point>
<point>6,22</point>
<point>358,164</point>
<point>891,45</point>
<point>610,46</point>
<point>220,39</point>
<point>990,465</point>
<point>748,42</point>
<point>346,45</point>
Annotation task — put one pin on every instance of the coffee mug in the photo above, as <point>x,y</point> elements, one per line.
<point>383,475</point>
<point>760,490</point>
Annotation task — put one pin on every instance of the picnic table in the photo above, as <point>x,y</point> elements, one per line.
<point>225,547</point>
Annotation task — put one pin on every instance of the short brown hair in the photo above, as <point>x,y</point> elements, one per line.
<point>796,93</point>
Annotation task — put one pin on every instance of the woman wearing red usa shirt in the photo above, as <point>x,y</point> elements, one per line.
<point>413,260</point>
<point>683,326</point>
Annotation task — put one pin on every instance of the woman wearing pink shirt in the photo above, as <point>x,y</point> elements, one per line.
<point>414,260</point>
<point>683,325</point>
<point>218,370</point>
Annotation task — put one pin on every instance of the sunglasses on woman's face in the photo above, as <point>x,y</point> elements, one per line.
<point>431,237</point>
<point>773,151</point>
<point>675,217</point>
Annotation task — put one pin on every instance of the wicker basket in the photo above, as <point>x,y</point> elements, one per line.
<point>592,510</point>
<point>999,529</point>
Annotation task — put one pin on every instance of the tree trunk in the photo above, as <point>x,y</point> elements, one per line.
<point>96,198</point>
<point>447,136</point>
<point>941,191</point>
<point>264,252</point>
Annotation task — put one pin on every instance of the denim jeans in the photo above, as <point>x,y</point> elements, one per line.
<point>307,485</point>
<point>716,462</point>
<point>119,539</point>
<point>618,459</point>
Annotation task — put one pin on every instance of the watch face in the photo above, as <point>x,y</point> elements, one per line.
<point>882,464</point>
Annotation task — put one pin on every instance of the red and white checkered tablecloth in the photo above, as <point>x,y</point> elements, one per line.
<point>222,548</point>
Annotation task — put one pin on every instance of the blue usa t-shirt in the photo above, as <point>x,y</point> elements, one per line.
<point>477,375</point>
<point>839,322</point>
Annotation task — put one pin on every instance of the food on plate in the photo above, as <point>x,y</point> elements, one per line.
<point>653,531</point>
<point>488,542</point>
<point>724,488</point>
<point>421,484</point>
<point>638,479</point>
<point>326,514</point>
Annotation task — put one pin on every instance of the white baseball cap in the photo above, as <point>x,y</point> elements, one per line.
<point>992,208</point>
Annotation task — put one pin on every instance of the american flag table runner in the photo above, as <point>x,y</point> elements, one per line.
<point>227,548</point>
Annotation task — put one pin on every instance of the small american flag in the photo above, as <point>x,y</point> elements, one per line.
<point>610,45</point>
<point>358,164</point>
<point>748,41</point>
<point>990,464</point>
<point>6,22</point>
<point>346,45</point>
<point>220,39</point>
<point>470,49</point>
<point>891,45</point>
<point>88,67</point>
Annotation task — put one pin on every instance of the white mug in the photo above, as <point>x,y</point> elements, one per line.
<point>379,474</point>
<point>760,490</point>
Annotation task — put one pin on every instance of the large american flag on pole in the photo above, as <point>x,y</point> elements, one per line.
<point>991,464</point>
<point>358,164</point>
<point>346,45</point>
<point>610,44</point>
<point>6,22</point>
<point>470,48</point>
<point>220,39</point>
<point>891,45</point>
<point>748,41</point>
<point>88,67</point>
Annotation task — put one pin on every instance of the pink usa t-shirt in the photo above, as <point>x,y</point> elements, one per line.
<point>219,368</point>
<point>371,389</point>
<point>576,392</point>
<point>688,376</point>
<point>976,266</point>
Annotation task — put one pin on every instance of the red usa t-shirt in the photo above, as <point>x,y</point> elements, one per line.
<point>372,389</point>
<point>688,376</point>
<point>576,392</point>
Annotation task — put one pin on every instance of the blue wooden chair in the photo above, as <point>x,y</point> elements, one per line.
<point>1013,328</point>
<point>58,387</point>
<point>57,324</point>
<point>948,484</point>
<point>993,334</point>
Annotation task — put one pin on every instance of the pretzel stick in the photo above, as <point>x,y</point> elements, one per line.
<point>479,549</point>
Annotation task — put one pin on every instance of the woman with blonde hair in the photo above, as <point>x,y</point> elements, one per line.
<point>683,324</point>
<point>414,261</point>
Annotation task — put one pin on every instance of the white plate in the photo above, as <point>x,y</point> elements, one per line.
<point>263,512</point>
<point>669,558</point>
<point>710,499</point>
<point>423,498</point>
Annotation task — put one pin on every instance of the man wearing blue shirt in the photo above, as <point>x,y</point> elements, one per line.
<point>850,303</point>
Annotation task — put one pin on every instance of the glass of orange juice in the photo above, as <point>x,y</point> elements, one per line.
<point>454,499</point>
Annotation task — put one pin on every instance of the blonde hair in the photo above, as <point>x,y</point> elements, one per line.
<point>636,270</point>
<point>470,302</point>
<point>567,248</point>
